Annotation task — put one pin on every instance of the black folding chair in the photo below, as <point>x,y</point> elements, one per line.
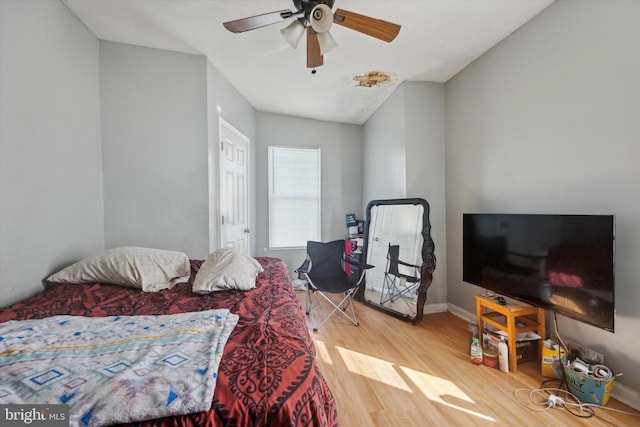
<point>324,270</point>
<point>399,284</point>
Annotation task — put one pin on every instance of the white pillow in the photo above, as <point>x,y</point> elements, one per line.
<point>148,269</point>
<point>227,268</point>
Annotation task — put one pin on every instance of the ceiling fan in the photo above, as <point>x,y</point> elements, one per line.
<point>316,18</point>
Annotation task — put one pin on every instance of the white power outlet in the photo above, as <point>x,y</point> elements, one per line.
<point>584,352</point>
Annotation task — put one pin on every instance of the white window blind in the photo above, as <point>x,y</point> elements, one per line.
<point>294,196</point>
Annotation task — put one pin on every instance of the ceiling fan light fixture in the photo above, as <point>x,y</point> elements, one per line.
<point>321,18</point>
<point>315,17</point>
<point>326,42</point>
<point>293,32</point>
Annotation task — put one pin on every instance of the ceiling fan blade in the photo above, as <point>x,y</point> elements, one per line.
<point>314,57</point>
<point>383,30</point>
<point>253,22</point>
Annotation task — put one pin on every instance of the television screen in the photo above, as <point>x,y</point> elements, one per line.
<point>563,263</point>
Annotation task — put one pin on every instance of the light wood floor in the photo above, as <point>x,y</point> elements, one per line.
<point>390,373</point>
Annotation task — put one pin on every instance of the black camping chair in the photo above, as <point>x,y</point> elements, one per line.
<point>324,270</point>
<point>399,284</point>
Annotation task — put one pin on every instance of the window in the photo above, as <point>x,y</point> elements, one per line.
<point>294,196</point>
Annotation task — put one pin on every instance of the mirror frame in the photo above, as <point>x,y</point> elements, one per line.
<point>428,259</point>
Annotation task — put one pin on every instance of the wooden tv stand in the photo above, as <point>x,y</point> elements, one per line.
<point>505,317</point>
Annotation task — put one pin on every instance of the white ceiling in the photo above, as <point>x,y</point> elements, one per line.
<point>438,39</point>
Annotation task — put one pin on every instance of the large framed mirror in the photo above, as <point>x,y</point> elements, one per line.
<point>397,242</point>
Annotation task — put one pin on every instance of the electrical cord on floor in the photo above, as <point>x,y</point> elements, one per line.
<point>582,407</point>
<point>547,398</point>
<point>544,399</point>
<point>554,394</point>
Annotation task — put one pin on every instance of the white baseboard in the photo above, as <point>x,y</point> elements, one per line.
<point>626,395</point>
<point>620,392</point>
<point>435,308</point>
<point>460,312</point>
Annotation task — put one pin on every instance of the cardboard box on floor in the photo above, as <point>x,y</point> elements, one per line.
<point>552,356</point>
<point>526,344</point>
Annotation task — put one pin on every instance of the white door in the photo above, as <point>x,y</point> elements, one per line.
<point>396,225</point>
<point>234,187</point>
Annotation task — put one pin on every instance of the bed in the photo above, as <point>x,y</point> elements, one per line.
<point>267,374</point>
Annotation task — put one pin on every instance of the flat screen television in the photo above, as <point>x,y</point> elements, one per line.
<point>563,263</point>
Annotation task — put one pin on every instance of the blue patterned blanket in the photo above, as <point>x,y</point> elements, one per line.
<point>115,369</point>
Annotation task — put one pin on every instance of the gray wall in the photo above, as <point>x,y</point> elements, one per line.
<point>226,102</point>
<point>424,123</point>
<point>154,136</point>
<point>51,209</point>
<point>341,162</point>
<point>549,122</point>
<point>404,146</point>
<point>384,151</point>
<point>160,114</point>
<point>156,128</point>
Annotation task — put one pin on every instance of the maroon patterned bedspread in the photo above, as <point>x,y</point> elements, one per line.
<point>267,376</point>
